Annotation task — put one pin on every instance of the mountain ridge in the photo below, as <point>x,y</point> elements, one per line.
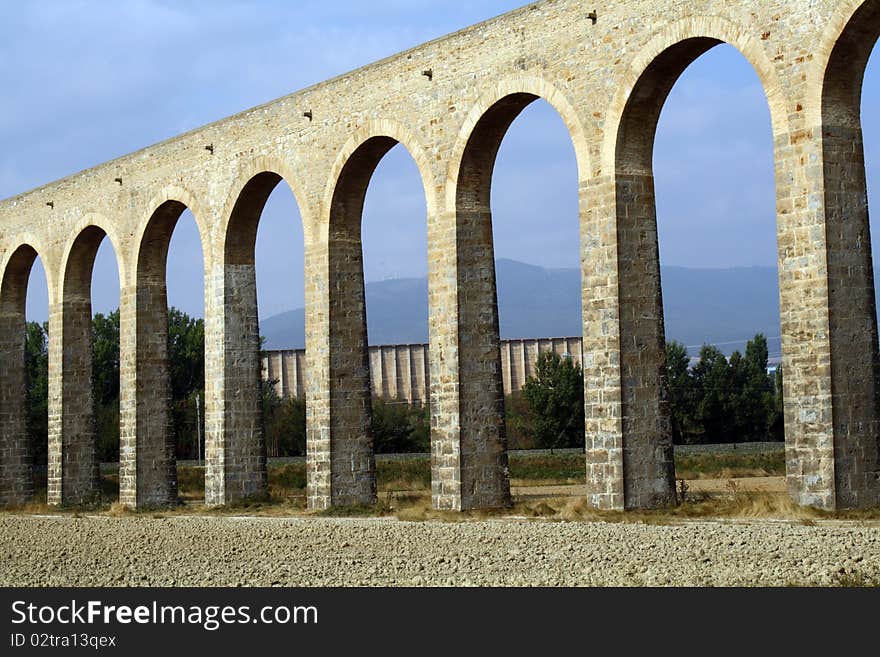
<point>714,306</point>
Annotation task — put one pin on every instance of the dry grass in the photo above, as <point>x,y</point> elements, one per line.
<point>729,465</point>
<point>744,506</point>
<point>404,492</point>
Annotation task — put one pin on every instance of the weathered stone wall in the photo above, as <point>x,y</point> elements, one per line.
<point>607,78</point>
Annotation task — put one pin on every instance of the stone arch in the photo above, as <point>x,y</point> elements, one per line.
<point>16,270</point>
<point>340,442</point>
<point>16,450</point>
<point>654,71</point>
<point>500,106</point>
<point>73,437</point>
<point>236,446</point>
<point>157,225</point>
<point>483,479</point>
<point>92,228</point>
<point>13,255</point>
<point>636,468</point>
<point>358,159</point>
<point>148,468</point>
<point>834,80</point>
<point>245,202</point>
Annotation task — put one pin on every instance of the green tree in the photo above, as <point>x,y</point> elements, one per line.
<point>400,427</point>
<point>682,392</point>
<point>36,353</point>
<point>284,422</point>
<point>756,394</point>
<point>737,398</point>
<point>105,383</point>
<point>186,353</point>
<point>712,376</point>
<point>556,401</point>
<point>186,361</point>
<point>518,422</point>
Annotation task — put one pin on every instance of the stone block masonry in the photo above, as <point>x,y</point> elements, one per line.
<point>607,76</point>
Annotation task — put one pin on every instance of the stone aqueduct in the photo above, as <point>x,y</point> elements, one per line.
<point>449,102</point>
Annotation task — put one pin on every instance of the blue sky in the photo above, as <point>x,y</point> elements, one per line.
<point>87,81</point>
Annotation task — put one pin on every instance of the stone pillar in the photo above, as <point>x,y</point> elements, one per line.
<point>805,319</point>
<point>73,476</point>
<point>443,364</point>
<point>128,397</point>
<point>830,361</point>
<point>148,468</point>
<point>649,471</point>
<point>601,337</point>
<point>317,378</point>
<point>484,469</point>
<point>16,452</point>
<point>215,395</point>
<point>352,464</point>
<point>235,449</point>
<point>628,431</point>
<point>340,463</point>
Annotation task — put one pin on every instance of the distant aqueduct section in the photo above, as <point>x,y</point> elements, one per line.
<point>402,371</point>
<point>607,70</point>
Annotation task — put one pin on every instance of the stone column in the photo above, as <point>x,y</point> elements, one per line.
<point>16,452</point>
<point>601,339</point>
<point>628,431</point>
<point>235,447</point>
<point>352,464</point>
<point>128,397</point>
<point>215,395</point>
<point>830,364</point>
<point>484,469</point>
<point>340,463</point>
<point>317,378</point>
<point>649,473</point>
<point>73,465</point>
<point>148,468</point>
<point>443,364</point>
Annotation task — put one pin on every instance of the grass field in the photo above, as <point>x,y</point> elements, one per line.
<point>413,475</point>
<point>405,491</point>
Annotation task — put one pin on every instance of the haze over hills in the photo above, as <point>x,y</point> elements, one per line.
<point>718,306</point>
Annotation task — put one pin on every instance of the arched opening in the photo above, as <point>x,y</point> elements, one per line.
<point>395,246</point>
<point>484,465</point>
<point>89,355</point>
<point>871,136</point>
<point>713,164</point>
<point>536,243</point>
<point>349,452</point>
<point>105,294</point>
<point>352,471</point>
<point>263,392</point>
<point>24,385</point>
<point>536,238</point>
<point>161,394</point>
<point>647,464</point>
<point>855,362</point>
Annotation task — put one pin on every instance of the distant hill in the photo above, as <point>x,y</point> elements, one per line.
<point>718,306</point>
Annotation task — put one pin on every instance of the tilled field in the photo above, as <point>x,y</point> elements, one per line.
<point>231,551</point>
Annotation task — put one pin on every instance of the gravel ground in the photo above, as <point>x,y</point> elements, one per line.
<point>230,551</point>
